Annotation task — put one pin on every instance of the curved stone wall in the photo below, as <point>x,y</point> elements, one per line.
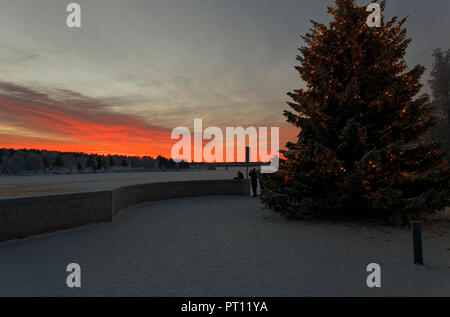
<point>23,217</point>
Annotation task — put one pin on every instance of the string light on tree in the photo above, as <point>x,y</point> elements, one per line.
<point>360,150</point>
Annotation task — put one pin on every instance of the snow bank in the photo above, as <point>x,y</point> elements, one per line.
<point>224,246</point>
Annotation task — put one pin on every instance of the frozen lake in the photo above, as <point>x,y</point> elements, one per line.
<point>45,184</point>
<point>223,246</point>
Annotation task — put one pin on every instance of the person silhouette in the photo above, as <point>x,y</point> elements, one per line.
<point>254,181</point>
<point>239,176</point>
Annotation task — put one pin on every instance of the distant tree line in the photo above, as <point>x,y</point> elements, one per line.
<point>29,160</point>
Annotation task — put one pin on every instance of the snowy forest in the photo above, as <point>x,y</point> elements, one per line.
<point>440,87</point>
<point>13,162</point>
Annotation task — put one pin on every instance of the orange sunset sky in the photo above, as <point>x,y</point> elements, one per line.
<point>135,70</point>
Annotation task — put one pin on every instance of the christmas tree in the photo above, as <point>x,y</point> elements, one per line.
<point>360,152</point>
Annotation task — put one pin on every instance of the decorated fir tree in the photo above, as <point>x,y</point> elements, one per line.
<point>360,152</point>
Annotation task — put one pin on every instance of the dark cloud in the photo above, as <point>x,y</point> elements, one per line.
<point>69,103</point>
<point>39,119</point>
<point>17,91</point>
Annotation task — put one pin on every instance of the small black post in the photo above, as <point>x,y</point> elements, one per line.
<point>247,157</point>
<point>417,242</point>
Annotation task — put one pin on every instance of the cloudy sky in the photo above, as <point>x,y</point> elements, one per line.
<point>139,68</point>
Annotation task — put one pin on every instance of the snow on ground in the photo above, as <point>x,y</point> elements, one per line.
<point>42,184</point>
<point>223,246</point>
